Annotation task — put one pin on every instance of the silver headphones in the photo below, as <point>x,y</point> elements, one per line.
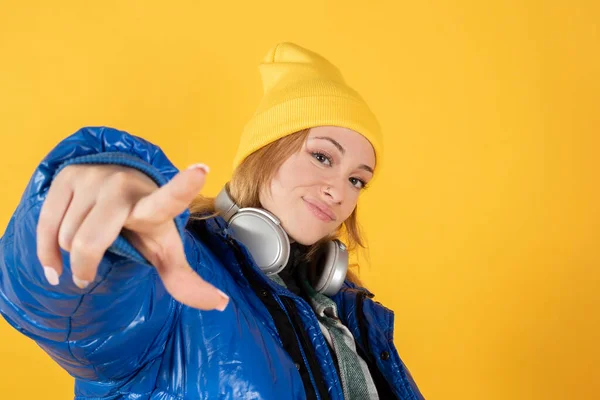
<point>268,243</point>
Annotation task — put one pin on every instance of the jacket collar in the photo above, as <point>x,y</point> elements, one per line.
<point>370,322</point>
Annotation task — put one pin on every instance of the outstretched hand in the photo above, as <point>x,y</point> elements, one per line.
<point>88,206</point>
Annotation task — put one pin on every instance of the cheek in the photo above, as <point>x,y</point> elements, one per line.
<point>350,204</point>
<point>296,172</point>
<point>281,191</point>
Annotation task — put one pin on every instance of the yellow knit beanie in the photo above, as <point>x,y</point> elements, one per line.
<point>303,90</point>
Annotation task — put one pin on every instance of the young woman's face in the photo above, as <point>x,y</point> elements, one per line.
<point>315,190</point>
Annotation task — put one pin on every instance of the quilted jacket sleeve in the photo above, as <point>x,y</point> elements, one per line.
<point>121,321</point>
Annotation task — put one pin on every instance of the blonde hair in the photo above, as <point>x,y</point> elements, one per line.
<point>256,171</point>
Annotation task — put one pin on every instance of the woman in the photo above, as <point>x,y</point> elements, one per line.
<point>138,295</point>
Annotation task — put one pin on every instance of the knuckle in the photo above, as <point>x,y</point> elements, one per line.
<point>87,248</point>
<point>66,171</point>
<point>65,239</point>
<point>155,213</point>
<point>67,174</point>
<point>120,179</point>
<point>123,184</point>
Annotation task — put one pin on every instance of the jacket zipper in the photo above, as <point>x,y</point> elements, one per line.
<point>384,389</point>
<point>301,338</point>
<point>241,260</point>
<point>362,326</point>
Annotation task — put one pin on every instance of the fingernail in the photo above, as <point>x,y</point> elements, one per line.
<point>201,166</point>
<point>223,305</point>
<point>51,275</point>
<point>80,283</point>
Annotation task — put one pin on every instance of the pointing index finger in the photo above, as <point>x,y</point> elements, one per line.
<point>167,255</point>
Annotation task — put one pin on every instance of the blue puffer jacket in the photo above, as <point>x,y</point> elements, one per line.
<point>124,337</point>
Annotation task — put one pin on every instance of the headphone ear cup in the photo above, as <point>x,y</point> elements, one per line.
<point>263,236</point>
<point>331,268</point>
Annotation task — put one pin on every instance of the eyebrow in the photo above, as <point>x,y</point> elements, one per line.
<point>333,141</point>
<point>343,151</point>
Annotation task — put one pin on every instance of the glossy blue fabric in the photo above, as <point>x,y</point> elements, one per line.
<point>125,337</point>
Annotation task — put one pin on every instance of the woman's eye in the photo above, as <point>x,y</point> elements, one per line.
<point>358,183</point>
<point>322,158</point>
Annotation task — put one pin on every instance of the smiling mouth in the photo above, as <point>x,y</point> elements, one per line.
<point>318,212</point>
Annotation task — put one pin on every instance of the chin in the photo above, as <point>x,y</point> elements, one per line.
<point>303,241</point>
<point>302,237</point>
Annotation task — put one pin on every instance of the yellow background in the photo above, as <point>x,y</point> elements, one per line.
<point>484,227</point>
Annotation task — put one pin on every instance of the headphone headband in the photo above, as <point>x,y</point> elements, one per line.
<point>225,204</point>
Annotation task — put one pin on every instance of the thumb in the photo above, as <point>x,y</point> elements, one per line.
<point>167,202</point>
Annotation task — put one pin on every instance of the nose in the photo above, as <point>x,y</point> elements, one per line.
<point>333,192</point>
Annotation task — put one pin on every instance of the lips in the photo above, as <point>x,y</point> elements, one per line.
<point>320,211</point>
